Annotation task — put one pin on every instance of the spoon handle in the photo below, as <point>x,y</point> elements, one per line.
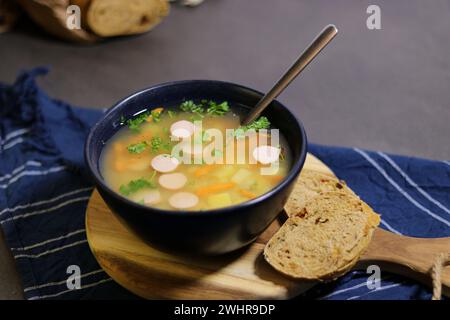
<point>305,58</point>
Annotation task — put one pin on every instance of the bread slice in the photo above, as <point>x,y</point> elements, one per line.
<point>325,239</point>
<point>309,185</point>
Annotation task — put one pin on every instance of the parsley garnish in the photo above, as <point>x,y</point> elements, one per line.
<point>135,123</point>
<point>217,109</point>
<point>258,124</point>
<point>136,185</point>
<point>190,106</point>
<point>156,116</point>
<point>157,143</point>
<point>137,147</point>
<point>211,107</point>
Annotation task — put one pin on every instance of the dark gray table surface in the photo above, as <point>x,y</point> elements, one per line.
<point>385,89</point>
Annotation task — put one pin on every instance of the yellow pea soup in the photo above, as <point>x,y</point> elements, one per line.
<point>146,161</point>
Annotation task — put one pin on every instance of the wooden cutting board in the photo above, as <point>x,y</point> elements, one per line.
<point>244,274</point>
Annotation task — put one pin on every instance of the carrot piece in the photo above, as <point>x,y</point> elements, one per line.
<point>247,194</point>
<point>215,188</point>
<point>203,170</point>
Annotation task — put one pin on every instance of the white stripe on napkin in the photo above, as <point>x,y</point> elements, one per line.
<point>345,290</point>
<point>38,212</point>
<point>70,234</point>
<point>399,189</point>
<point>20,168</point>
<point>31,173</point>
<point>14,134</point>
<point>377,290</point>
<point>384,223</point>
<point>13,143</point>
<point>412,183</point>
<point>34,256</point>
<point>70,290</point>
<point>38,203</point>
<point>57,283</point>
<point>363,284</point>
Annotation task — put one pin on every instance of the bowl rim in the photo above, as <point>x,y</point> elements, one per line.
<point>99,181</point>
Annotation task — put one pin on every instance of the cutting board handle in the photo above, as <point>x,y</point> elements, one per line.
<point>408,256</point>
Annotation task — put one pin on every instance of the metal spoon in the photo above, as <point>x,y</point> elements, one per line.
<point>305,58</point>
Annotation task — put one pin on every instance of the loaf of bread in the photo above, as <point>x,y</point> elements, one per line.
<point>99,18</point>
<point>325,239</point>
<point>107,18</point>
<point>51,15</point>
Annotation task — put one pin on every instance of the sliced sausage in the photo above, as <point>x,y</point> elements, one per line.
<point>183,200</point>
<point>182,129</point>
<point>165,163</point>
<point>266,154</point>
<point>152,197</point>
<point>172,181</point>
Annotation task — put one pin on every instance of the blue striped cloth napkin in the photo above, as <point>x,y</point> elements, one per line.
<point>44,192</point>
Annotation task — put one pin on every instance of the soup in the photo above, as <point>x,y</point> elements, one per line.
<point>192,157</point>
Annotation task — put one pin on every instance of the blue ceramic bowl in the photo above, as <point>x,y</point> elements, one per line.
<point>205,232</point>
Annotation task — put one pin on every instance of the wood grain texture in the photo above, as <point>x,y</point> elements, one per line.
<point>244,274</point>
<point>407,256</point>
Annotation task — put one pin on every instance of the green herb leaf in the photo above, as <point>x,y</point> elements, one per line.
<point>137,147</point>
<point>156,116</point>
<point>217,109</point>
<point>155,144</point>
<point>212,108</point>
<point>258,124</point>
<point>190,106</point>
<point>135,123</point>
<point>136,185</point>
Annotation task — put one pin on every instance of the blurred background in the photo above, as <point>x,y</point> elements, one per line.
<point>385,89</point>
<point>382,89</point>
